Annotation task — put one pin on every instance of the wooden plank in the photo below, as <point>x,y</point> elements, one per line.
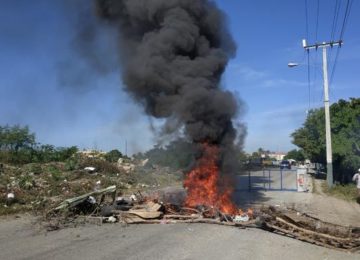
<point>182,216</point>
<point>77,200</point>
<point>312,232</point>
<point>146,214</point>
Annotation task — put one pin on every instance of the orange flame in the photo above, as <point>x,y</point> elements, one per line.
<point>202,184</point>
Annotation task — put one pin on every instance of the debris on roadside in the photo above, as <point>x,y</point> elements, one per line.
<point>128,167</point>
<point>10,196</point>
<point>140,209</point>
<point>73,202</point>
<point>38,187</point>
<point>241,218</point>
<point>90,169</point>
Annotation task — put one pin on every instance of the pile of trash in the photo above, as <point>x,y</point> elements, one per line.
<point>103,206</point>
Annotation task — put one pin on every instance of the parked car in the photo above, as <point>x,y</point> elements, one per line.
<point>285,165</point>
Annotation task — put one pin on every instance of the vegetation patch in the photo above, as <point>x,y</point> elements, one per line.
<point>345,125</point>
<point>347,192</point>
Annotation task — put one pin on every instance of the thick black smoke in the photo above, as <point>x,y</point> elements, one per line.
<point>173,54</point>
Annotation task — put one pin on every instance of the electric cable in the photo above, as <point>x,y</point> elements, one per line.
<point>345,21</point>
<point>317,20</point>
<point>307,20</point>
<point>335,19</point>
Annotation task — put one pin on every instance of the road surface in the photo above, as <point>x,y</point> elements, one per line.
<point>20,240</point>
<point>268,179</point>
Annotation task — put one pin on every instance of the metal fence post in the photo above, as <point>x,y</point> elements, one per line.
<point>264,180</point>
<point>281,179</point>
<point>269,181</point>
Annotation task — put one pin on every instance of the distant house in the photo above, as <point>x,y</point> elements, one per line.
<point>91,153</point>
<point>279,156</point>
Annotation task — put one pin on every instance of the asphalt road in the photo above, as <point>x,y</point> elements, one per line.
<point>20,240</point>
<point>268,179</point>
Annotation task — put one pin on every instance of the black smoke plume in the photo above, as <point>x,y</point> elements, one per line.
<point>173,54</point>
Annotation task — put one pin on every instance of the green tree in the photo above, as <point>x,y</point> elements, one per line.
<point>113,155</point>
<point>14,138</point>
<point>345,128</point>
<point>297,155</point>
<point>177,154</point>
<point>18,146</point>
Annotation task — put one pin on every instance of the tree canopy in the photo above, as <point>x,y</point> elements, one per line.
<point>176,155</point>
<point>16,137</point>
<point>345,129</point>
<point>18,145</point>
<point>297,155</point>
<point>113,155</point>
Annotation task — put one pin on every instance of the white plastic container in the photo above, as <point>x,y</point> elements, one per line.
<point>301,180</point>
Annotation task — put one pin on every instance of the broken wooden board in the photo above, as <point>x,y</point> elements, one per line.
<point>69,203</point>
<point>145,214</point>
<point>310,229</point>
<point>149,210</point>
<point>149,206</point>
<point>130,218</point>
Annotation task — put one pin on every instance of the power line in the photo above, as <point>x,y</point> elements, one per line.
<point>346,17</point>
<point>317,20</point>
<point>345,21</point>
<point>335,19</point>
<point>316,56</point>
<point>337,9</point>
<point>307,20</point>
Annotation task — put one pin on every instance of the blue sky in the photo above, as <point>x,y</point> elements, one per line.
<point>36,38</point>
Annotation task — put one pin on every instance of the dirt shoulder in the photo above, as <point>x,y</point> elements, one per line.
<point>333,209</point>
<point>315,203</point>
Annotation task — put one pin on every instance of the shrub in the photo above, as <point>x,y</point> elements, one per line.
<point>113,156</point>
<point>72,164</point>
<point>55,173</point>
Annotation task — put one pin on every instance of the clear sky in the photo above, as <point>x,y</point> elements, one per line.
<point>37,48</point>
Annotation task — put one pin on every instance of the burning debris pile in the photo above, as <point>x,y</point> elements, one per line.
<point>202,184</point>
<point>103,207</point>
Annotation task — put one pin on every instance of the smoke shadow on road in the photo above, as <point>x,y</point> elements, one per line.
<point>250,191</point>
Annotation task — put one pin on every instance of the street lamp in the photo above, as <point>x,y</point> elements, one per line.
<point>293,64</point>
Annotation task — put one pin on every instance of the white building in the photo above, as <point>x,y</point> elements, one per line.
<point>279,156</point>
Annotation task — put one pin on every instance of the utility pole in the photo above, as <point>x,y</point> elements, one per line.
<point>324,45</point>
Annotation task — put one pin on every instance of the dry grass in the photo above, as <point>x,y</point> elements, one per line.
<point>346,192</point>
